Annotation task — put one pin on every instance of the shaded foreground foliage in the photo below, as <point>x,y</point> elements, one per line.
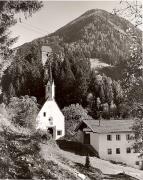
<point>21,159</point>
<point>20,156</point>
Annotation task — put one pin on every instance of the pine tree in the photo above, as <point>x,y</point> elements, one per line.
<point>133,74</point>
<point>8,10</point>
<point>82,87</point>
<point>117,95</point>
<point>67,81</point>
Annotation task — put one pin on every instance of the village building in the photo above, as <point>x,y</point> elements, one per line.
<point>112,139</point>
<point>50,118</point>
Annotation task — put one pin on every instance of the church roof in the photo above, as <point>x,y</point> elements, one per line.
<point>107,126</point>
<point>51,105</point>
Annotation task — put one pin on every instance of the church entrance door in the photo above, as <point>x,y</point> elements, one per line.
<point>52,131</point>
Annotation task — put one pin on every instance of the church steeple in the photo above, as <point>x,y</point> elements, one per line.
<point>49,87</point>
<point>50,91</point>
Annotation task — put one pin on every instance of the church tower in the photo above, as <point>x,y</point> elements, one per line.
<point>49,87</point>
<point>50,91</point>
<point>50,118</point>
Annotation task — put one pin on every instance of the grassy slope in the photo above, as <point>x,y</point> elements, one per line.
<point>24,160</point>
<point>100,169</point>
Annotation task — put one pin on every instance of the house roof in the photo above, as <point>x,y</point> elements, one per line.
<point>107,126</point>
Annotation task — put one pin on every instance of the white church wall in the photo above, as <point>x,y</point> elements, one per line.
<point>50,116</point>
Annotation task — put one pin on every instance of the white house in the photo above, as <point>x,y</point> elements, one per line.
<point>50,117</point>
<point>112,139</point>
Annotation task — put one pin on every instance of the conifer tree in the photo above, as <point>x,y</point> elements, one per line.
<point>8,10</point>
<point>82,87</point>
<point>132,79</point>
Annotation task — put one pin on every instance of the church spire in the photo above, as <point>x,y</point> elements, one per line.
<point>49,87</point>
<point>50,91</point>
<point>50,72</point>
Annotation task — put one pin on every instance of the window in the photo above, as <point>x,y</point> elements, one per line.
<point>117,150</point>
<point>59,132</point>
<point>128,137</point>
<point>118,137</point>
<point>109,151</point>
<point>128,150</point>
<point>109,137</point>
<point>44,114</point>
<point>137,163</point>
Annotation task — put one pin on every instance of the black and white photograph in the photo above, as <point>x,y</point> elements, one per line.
<point>71,90</point>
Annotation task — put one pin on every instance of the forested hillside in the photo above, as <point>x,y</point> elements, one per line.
<point>100,35</point>
<point>95,34</point>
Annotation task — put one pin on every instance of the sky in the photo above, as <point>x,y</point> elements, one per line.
<point>54,15</point>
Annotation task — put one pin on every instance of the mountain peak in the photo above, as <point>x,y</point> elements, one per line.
<point>100,33</point>
<point>94,11</point>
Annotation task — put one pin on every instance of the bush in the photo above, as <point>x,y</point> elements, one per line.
<point>74,114</point>
<point>20,158</point>
<point>43,135</point>
<point>23,111</point>
<point>87,162</point>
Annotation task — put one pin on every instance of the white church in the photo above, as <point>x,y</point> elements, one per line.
<point>50,117</point>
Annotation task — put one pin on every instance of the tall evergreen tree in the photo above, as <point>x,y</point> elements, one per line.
<point>8,9</point>
<point>81,88</point>
<point>132,79</point>
<point>66,84</point>
<point>8,18</point>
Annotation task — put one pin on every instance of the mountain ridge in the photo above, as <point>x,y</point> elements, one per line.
<point>97,12</point>
<point>100,32</point>
<point>104,24</point>
<point>96,34</point>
